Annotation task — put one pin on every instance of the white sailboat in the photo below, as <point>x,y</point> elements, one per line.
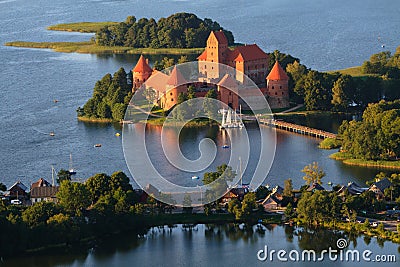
<point>71,170</point>
<point>228,122</point>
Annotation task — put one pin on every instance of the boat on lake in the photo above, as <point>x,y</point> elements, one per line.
<point>71,170</point>
<point>195,177</point>
<point>97,145</point>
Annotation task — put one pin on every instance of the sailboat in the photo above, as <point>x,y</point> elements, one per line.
<point>231,119</point>
<point>71,170</point>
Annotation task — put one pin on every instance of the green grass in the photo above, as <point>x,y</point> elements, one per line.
<point>89,27</point>
<point>352,71</point>
<point>329,143</point>
<point>89,47</point>
<point>348,159</point>
<point>96,120</point>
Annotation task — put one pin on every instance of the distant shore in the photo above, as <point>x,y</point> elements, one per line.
<point>348,160</point>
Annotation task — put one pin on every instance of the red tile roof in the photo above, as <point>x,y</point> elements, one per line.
<point>176,78</point>
<point>158,81</point>
<point>277,73</point>
<point>248,52</point>
<point>40,183</point>
<point>203,56</point>
<point>142,66</point>
<point>221,38</point>
<point>228,82</point>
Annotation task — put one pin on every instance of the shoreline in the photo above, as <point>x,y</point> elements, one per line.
<point>383,164</point>
<point>89,47</point>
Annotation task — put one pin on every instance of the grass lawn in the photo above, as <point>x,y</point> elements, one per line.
<point>89,27</point>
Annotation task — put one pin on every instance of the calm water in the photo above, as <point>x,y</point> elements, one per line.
<point>195,246</point>
<point>326,35</point>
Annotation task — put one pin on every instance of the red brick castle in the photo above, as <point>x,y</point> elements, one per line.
<point>250,60</point>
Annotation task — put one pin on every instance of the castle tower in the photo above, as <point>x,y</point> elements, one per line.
<point>176,84</point>
<point>229,97</point>
<point>216,52</point>
<point>278,87</point>
<point>141,72</point>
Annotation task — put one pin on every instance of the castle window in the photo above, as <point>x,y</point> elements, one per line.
<point>172,100</point>
<point>230,93</point>
<point>262,65</point>
<point>282,93</point>
<point>273,87</point>
<point>212,53</point>
<point>170,93</point>
<point>280,87</point>
<point>276,93</point>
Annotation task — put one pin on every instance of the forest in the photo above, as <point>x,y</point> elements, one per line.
<point>181,30</point>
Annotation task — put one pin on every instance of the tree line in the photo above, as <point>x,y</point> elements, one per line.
<point>111,96</point>
<point>383,64</point>
<point>377,136</point>
<point>180,30</point>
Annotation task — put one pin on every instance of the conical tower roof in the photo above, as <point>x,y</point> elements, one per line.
<point>277,73</point>
<point>142,66</point>
<point>228,82</point>
<point>176,78</point>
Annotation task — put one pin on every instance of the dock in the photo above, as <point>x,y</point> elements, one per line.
<point>295,128</point>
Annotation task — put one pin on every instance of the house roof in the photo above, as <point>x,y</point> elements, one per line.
<point>203,55</point>
<point>176,78</point>
<point>271,198</point>
<point>315,186</point>
<point>40,183</point>
<point>142,66</point>
<point>228,82</point>
<point>44,191</point>
<point>18,184</point>
<point>277,73</point>
<point>220,36</point>
<point>158,81</point>
<point>248,52</point>
<point>382,184</point>
<point>277,189</point>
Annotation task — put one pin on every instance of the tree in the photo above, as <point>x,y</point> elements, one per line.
<point>343,92</point>
<point>39,213</point>
<point>73,197</point>
<point>3,187</point>
<point>289,212</point>
<point>313,174</point>
<point>118,111</point>
<point>249,205</point>
<point>120,180</point>
<point>63,175</point>
<point>233,204</point>
<point>288,188</point>
<point>98,185</point>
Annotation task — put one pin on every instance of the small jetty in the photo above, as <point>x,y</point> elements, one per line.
<point>295,128</point>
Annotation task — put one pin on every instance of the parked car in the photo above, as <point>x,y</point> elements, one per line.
<point>16,202</point>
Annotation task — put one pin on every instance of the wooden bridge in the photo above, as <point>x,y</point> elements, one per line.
<point>295,128</point>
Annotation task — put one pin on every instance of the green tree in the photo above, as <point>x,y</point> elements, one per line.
<point>39,213</point>
<point>118,111</point>
<point>249,205</point>
<point>233,204</point>
<point>288,188</point>
<point>313,173</point>
<point>3,187</point>
<point>120,180</point>
<point>98,185</point>
<point>289,212</point>
<point>63,175</point>
<point>73,197</point>
<point>343,92</point>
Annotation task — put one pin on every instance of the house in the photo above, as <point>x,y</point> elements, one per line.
<point>351,188</point>
<point>379,187</point>
<point>236,192</point>
<point>40,183</point>
<point>271,202</point>
<point>315,186</point>
<point>44,193</point>
<point>17,190</point>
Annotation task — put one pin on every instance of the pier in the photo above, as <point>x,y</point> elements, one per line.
<point>295,128</point>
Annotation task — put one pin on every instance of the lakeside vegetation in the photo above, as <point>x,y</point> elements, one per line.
<point>90,47</point>
<point>84,27</point>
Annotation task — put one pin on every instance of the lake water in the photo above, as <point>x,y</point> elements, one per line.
<point>211,245</point>
<point>325,35</point>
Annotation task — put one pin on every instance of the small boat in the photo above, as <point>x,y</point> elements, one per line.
<point>52,134</point>
<point>195,177</point>
<point>71,170</point>
<point>329,183</point>
<point>225,146</point>
<point>97,145</point>
<point>55,101</point>
<point>383,46</point>
<point>117,134</point>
